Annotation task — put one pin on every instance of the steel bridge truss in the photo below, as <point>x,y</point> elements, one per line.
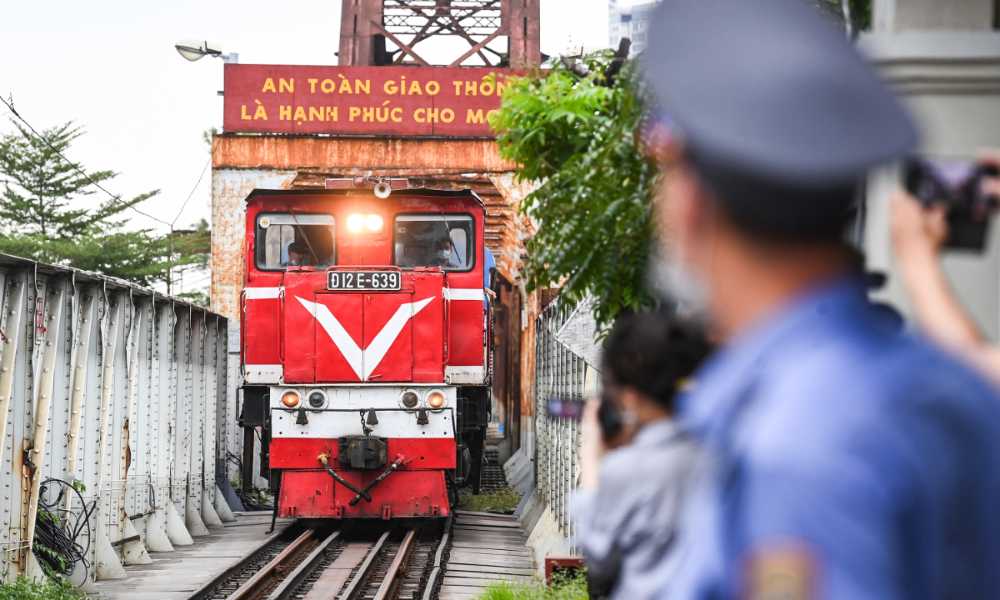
<point>495,33</point>
<point>407,23</point>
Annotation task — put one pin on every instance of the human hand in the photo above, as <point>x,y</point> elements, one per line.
<point>591,446</point>
<point>918,232</point>
<point>991,185</point>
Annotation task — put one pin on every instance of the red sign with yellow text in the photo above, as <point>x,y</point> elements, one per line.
<point>404,101</point>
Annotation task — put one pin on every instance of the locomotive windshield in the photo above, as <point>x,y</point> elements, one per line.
<point>444,241</point>
<point>294,240</point>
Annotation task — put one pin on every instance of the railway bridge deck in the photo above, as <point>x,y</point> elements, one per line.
<point>120,415</point>
<point>114,405</point>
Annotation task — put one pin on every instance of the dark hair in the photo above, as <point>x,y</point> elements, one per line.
<point>653,352</point>
<point>818,211</point>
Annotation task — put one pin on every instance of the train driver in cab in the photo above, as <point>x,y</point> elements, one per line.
<point>298,255</point>
<point>446,255</point>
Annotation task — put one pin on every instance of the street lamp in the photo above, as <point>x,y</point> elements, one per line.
<point>193,50</point>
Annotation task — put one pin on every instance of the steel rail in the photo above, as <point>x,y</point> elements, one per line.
<point>232,571</point>
<point>356,583</point>
<point>249,588</point>
<point>297,576</point>
<point>438,568</point>
<point>396,568</point>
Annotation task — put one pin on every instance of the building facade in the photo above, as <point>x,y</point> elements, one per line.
<point>629,21</point>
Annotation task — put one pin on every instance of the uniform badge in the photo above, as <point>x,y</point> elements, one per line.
<point>781,573</point>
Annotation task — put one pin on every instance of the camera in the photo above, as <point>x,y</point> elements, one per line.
<point>609,417</point>
<point>958,186</point>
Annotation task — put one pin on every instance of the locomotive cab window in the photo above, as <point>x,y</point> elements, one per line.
<point>287,240</point>
<point>444,241</point>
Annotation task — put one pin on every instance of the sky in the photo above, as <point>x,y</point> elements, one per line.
<point>110,66</point>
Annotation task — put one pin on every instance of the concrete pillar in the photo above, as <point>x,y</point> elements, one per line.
<point>921,15</point>
<point>943,58</point>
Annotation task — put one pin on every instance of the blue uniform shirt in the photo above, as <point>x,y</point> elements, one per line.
<point>489,263</point>
<point>842,460</point>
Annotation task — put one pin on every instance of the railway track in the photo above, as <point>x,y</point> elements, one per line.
<point>386,563</point>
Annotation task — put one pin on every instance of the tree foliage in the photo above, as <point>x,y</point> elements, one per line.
<point>50,211</point>
<point>24,588</point>
<point>576,138</point>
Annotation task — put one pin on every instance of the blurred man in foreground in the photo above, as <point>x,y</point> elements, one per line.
<point>847,461</point>
<point>626,511</point>
<point>918,235</point>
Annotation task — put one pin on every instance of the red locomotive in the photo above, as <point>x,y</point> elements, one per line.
<point>365,348</point>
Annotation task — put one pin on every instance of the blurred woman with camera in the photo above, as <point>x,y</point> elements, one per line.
<point>635,461</point>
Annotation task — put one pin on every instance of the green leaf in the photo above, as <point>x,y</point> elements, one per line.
<point>576,140</point>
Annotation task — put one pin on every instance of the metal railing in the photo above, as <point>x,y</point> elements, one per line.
<point>559,375</point>
<point>116,390</point>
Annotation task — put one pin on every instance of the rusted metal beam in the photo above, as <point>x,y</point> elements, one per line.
<point>422,34</point>
<point>454,25</point>
<point>522,24</point>
<point>476,49</point>
<point>402,45</point>
<point>52,325</point>
<point>457,29</point>
<point>14,306</point>
<point>374,154</point>
<point>398,22</point>
<point>356,39</point>
<point>81,339</point>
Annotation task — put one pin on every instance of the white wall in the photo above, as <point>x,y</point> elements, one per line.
<point>950,79</point>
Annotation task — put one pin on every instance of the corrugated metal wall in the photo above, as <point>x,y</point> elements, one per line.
<point>560,374</point>
<point>115,389</point>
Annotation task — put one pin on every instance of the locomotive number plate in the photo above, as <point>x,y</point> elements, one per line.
<point>363,280</point>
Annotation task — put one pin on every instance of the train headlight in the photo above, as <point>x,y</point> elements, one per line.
<point>356,223</point>
<point>317,399</point>
<point>436,400</point>
<point>359,223</point>
<point>409,399</point>
<point>373,223</point>
<point>290,399</point>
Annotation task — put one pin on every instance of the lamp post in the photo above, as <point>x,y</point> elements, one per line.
<point>193,50</point>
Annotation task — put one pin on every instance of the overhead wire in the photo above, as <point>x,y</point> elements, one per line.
<point>191,193</point>
<point>114,197</point>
